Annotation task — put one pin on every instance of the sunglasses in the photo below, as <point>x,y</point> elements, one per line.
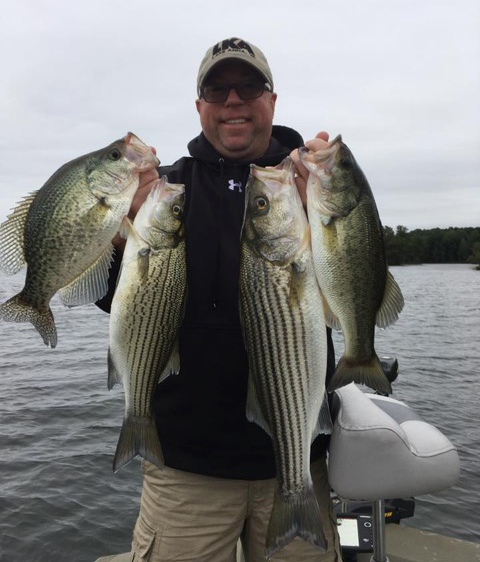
<point>248,90</point>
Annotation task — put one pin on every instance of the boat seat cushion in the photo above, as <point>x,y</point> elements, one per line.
<point>380,448</point>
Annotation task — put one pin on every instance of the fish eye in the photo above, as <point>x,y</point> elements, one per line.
<point>114,154</point>
<point>262,203</point>
<point>177,210</point>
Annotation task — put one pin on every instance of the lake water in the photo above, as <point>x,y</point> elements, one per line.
<point>59,425</point>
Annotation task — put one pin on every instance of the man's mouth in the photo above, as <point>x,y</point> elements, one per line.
<point>237,121</point>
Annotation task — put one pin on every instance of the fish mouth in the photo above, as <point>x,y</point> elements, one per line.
<point>324,158</point>
<point>139,153</point>
<point>286,167</point>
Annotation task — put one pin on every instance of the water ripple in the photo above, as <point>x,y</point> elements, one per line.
<point>59,424</point>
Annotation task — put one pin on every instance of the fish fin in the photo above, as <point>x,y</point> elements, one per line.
<point>97,213</point>
<point>103,200</point>
<point>138,436</point>
<point>325,219</point>
<point>12,255</point>
<point>254,412</point>
<point>299,274</point>
<point>297,283</point>
<point>324,424</point>
<point>91,285</point>
<point>143,262</point>
<point>306,242</point>
<point>368,372</point>
<point>113,374</point>
<point>392,303</point>
<point>126,228</point>
<point>173,365</point>
<point>330,319</point>
<point>17,310</point>
<point>295,515</point>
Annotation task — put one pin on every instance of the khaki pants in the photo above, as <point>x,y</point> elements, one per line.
<point>190,517</point>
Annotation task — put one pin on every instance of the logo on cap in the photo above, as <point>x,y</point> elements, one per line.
<point>233,44</point>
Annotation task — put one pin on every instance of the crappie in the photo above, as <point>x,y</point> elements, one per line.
<point>285,335</point>
<point>145,317</point>
<point>350,262</point>
<point>63,232</point>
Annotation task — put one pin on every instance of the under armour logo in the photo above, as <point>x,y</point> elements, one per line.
<point>232,185</point>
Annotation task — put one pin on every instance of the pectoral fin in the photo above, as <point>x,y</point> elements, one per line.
<point>173,365</point>
<point>324,423</point>
<point>143,263</point>
<point>330,319</point>
<point>113,375</point>
<point>91,285</point>
<point>392,303</point>
<point>126,228</point>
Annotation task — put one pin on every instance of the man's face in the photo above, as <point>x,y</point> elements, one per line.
<point>238,129</point>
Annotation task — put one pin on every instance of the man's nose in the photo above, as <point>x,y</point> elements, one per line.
<point>233,98</point>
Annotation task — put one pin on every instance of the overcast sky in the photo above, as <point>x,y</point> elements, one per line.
<point>399,79</point>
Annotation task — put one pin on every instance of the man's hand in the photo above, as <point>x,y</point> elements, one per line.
<point>146,182</point>
<point>301,179</point>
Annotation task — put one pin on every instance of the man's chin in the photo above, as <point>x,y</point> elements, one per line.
<point>235,151</point>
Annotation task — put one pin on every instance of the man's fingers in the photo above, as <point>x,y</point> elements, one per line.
<point>299,167</point>
<point>147,177</point>
<point>301,176</point>
<point>320,141</point>
<point>146,182</point>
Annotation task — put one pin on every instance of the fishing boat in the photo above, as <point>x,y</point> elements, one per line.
<point>380,449</point>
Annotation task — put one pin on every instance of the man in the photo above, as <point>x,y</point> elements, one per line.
<point>219,477</point>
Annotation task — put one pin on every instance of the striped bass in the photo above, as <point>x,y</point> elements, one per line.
<point>350,261</point>
<point>63,232</point>
<point>285,335</point>
<point>145,317</point>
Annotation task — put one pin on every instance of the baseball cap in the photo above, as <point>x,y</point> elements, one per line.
<point>234,49</point>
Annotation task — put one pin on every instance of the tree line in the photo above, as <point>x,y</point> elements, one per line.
<point>436,245</point>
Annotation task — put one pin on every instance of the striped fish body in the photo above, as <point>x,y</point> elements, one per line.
<point>285,336</point>
<point>145,318</point>
<point>63,232</point>
<point>350,261</point>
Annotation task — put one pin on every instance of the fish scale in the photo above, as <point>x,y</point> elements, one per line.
<point>283,355</point>
<point>285,336</point>
<point>140,357</point>
<point>63,232</point>
<point>350,262</point>
<point>145,317</point>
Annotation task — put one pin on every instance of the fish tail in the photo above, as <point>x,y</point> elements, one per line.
<point>17,309</point>
<point>367,372</point>
<point>138,436</point>
<point>295,515</point>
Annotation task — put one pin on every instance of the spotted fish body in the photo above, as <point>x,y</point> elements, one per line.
<point>350,261</point>
<point>145,317</point>
<point>285,336</point>
<point>63,232</point>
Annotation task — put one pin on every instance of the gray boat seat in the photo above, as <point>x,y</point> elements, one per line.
<point>380,448</point>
